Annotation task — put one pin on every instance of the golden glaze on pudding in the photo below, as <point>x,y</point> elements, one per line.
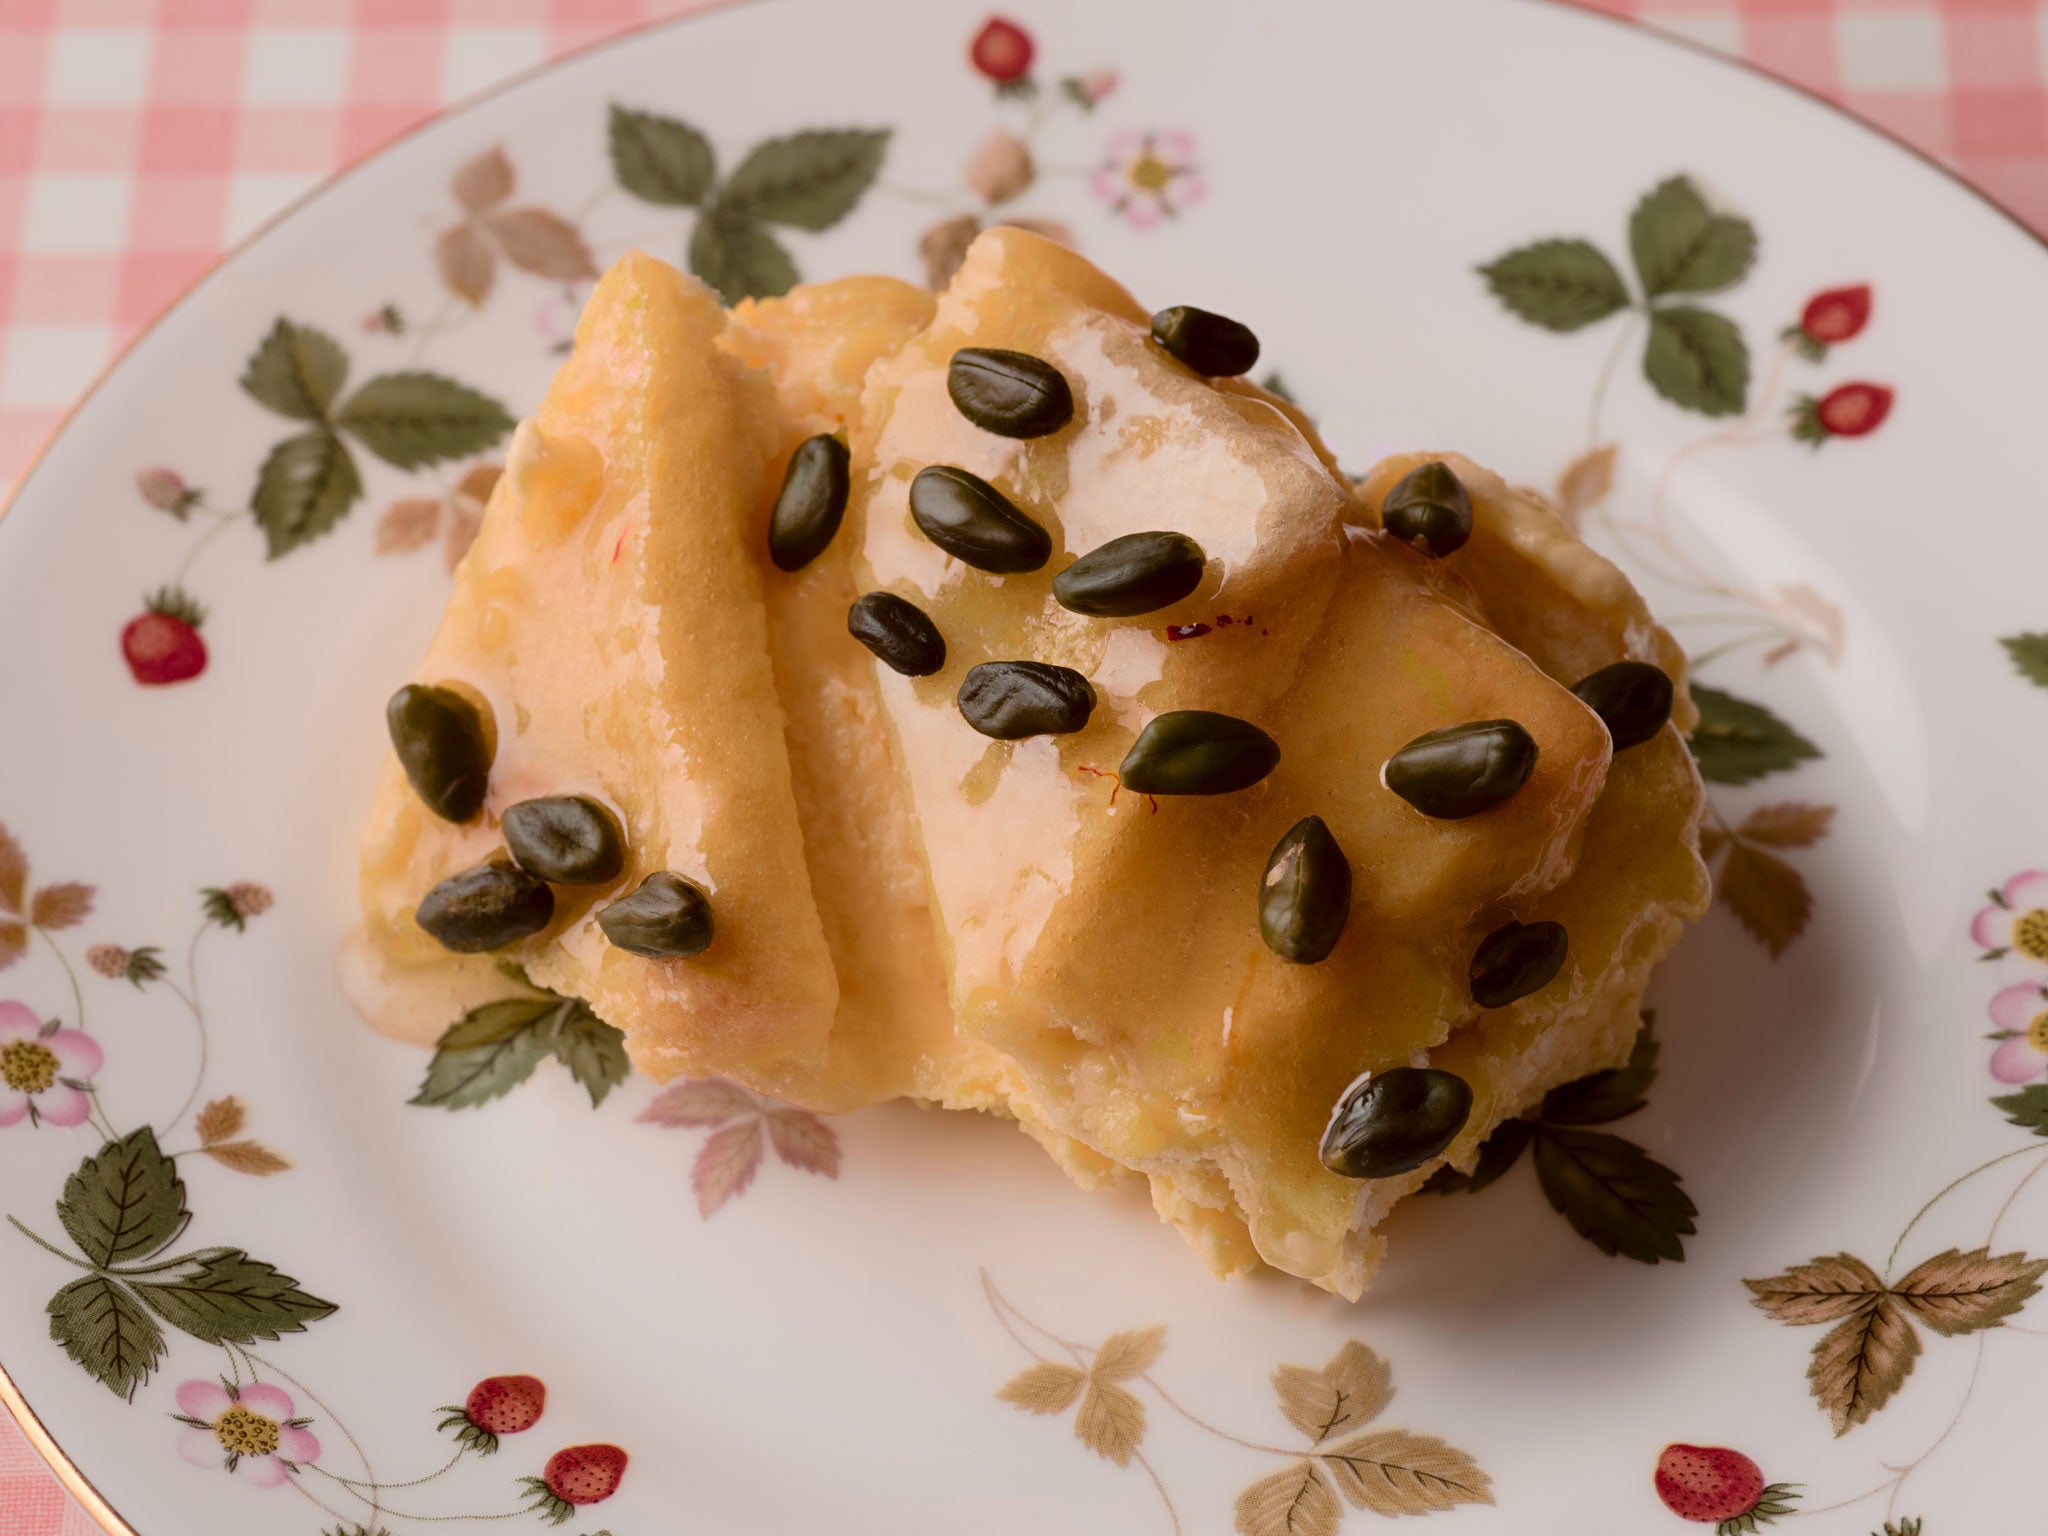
<point>906,907</point>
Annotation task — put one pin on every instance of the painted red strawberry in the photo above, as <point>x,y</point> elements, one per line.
<point>1002,51</point>
<point>1716,1486</point>
<point>161,644</point>
<point>497,1405</point>
<point>1830,317</point>
<point>1847,410</point>
<point>580,1474</point>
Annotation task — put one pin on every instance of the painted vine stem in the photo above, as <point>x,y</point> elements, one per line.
<point>1684,251</point>
<point>122,1219</point>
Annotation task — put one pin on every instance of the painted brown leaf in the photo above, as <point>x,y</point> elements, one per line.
<point>1860,1362</point>
<point>250,1157</point>
<point>804,1141</point>
<point>220,1119</point>
<point>13,873</point>
<point>1956,1292</point>
<point>61,906</point>
<point>466,509</point>
<point>1825,1290</point>
<point>468,264</point>
<point>1792,824</point>
<point>543,243</point>
<point>725,1164</point>
<point>1129,1353</point>
<point>1767,896</point>
<point>13,941</point>
<point>1044,1388</point>
<point>1111,1422</point>
<point>407,524</point>
<point>1351,1391</point>
<point>944,246</point>
<point>483,182</point>
<point>1295,1501</point>
<point>699,1101</point>
<point>465,521</point>
<point>1585,482</point>
<point>1398,1472</point>
<point>478,481</point>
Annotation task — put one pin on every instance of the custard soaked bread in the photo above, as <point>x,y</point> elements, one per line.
<point>995,706</point>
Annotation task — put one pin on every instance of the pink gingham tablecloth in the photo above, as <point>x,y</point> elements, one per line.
<point>141,138</point>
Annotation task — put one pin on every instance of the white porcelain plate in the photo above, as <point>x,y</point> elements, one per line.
<point>1785,373</point>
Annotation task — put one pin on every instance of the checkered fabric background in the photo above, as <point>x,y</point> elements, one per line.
<point>140,138</point>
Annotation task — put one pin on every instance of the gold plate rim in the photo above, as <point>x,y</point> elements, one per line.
<point>75,1483</point>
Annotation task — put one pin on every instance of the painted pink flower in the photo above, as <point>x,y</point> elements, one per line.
<point>1096,84</point>
<point>1149,177</point>
<point>43,1068</point>
<point>2016,922</point>
<point>2021,1014</point>
<point>249,1430</point>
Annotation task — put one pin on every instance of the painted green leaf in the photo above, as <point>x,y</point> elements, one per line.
<point>1680,245</point>
<point>1497,1154</point>
<point>1615,1195</point>
<point>304,488</point>
<point>494,1048</point>
<point>1604,1096</point>
<point>809,180</point>
<point>102,1328</point>
<point>593,1051</point>
<point>1737,742</point>
<point>1560,285</point>
<point>491,1023</point>
<point>2029,653</point>
<point>739,258</point>
<point>296,371</point>
<point>659,159</point>
<point>125,1202</point>
<point>410,419</point>
<point>2028,1108</point>
<point>489,1051</point>
<point>219,907</point>
<point>1696,359</point>
<point>223,1296</point>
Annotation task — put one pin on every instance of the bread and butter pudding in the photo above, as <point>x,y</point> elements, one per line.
<point>993,700</point>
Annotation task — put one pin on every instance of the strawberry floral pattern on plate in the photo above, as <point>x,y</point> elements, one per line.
<point>1752,408</point>
<point>128,1204</point>
<point>1864,1360</point>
